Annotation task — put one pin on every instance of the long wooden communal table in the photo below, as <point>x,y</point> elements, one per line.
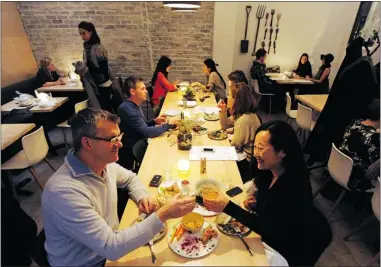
<point>10,133</point>
<point>160,155</point>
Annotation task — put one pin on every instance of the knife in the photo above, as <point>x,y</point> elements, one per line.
<point>238,232</point>
<point>153,256</point>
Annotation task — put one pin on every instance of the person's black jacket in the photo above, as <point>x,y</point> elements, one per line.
<point>43,76</point>
<point>286,219</point>
<point>304,70</point>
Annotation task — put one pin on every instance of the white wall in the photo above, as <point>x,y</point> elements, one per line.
<point>312,27</point>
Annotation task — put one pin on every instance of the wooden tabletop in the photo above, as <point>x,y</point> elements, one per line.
<point>294,81</point>
<point>36,109</point>
<point>10,133</point>
<point>317,102</point>
<point>63,88</point>
<point>159,157</point>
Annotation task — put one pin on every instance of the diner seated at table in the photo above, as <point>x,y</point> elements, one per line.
<point>47,74</point>
<point>321,79</point>
<point>283,213</point>
<point>160,80</point>
<point>246,123</point>
<point>216,83</point>
<point>361,142</point>
<point>79,202</point>
<point>133,121</point>
<point>304,68</point>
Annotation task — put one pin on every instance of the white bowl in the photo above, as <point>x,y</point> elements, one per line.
<point>172,112</point>
<point>211,110</point>
<point>190,104</point>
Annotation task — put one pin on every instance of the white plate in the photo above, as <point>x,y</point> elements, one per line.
<point>210,110</point>
<point>46,104</point>
<point>203,211</point>
<point>172,112</point>
<point>241,156</point>
<point>184,83</point>
<point>190,104</point>
<point>200,251</point>
<point>166,184</point>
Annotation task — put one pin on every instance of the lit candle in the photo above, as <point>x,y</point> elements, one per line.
<point>183,166</point>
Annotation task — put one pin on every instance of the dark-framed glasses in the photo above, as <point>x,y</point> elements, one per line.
<point>112,139</point>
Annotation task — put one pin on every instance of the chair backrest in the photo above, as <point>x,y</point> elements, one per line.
<point>304,117</point>
<point>339,166</point>
<point>256,86</point>
<point>288,104</point>
<point>81,105</point>
<point>150,91</point>
<point>376,201</point>
<point>139,150</point>
<point>35,146</point>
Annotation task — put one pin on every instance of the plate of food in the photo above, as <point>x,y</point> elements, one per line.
<point>193,243</point>
<point>172,112</point>
<point>218,135</point>
<point>199,130</point>
<point>226,224</point>
<point>169,188</point>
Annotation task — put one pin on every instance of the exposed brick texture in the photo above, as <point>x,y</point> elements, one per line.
<point>135,35</point>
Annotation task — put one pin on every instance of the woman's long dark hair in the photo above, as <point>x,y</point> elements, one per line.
<point>161,66</point>
<point>210,64</point>
<point>88,26</point>
<point>283,138</point>
<point>304,69</point>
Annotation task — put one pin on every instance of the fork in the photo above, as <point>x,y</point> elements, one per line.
<point>238,232</point>
<point>278,16</point>
<point>153,256</point>
<point>260,14</point>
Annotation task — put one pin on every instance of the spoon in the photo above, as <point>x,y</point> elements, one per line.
<point>272,14</point>
<point>265,32</point>
<point>263,44</point>
<point>276,34</point>
<point>267,16</point>
<point>278,16</point>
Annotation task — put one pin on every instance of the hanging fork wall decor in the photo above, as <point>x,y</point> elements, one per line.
<point>260,14</point>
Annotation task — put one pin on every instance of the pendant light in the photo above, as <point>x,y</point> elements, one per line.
<point>182,4</point>
<point>174,9</point>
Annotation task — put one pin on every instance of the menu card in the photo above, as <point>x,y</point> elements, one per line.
<point>213,153</point>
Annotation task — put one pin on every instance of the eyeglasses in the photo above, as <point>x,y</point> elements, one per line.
<point>112,139</point>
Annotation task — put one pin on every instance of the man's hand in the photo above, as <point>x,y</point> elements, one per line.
<point>161,119</point>
<point>176,207</point>
<point>147,205</point>
<point>61,81</point>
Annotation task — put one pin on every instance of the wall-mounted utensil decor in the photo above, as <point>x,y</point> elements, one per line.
<point>263,44</point>
<point>274,47</point>
<point>269,47</point>
<point>272,15</point>
<point>278,16</point>
<point>267,17</point>
<point>245,43</point>
<point>260,14</point>
<point>276,34</point>
<point>271,33</point>
<point>265,34</point>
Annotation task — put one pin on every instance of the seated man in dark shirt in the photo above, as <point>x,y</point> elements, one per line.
<point>47,74</point>
<point>133,123</point>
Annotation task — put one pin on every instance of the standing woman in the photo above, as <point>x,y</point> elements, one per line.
<point>304,68</point>
<point>47,74</point>
<point>160,80</point>
<point>95,57</point>
<point>215,83</point>
<point>321,77</point>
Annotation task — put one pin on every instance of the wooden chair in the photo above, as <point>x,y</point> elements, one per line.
<point>35,149</point>
<point>64,125</point>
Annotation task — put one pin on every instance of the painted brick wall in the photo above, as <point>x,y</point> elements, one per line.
<point>135,35</point>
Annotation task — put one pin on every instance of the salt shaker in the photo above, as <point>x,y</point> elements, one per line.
<point>203,165</point>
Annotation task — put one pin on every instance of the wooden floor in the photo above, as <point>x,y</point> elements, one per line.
<point>359,251</point>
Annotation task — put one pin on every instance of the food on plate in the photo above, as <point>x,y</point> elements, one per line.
<point>199,129</point>
<point>228,227</point>
<point>161,200</point>
<point>197,84</point>
<point>192,222</point>
<point>218,135</point>
<point>171,190</point>
<point>208,234</point>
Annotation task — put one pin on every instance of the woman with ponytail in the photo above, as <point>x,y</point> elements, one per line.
<point>215,83</point>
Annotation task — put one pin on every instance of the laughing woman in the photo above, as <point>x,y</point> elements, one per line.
<point>282,210</point>
<point>216,83</point>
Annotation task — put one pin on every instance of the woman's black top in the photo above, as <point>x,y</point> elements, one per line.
<point>323,87</point>
<point>44,75</point>
<point>304,69</point>
<point>285,218</point>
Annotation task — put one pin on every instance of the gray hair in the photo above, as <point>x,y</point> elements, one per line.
<point>85,122</point>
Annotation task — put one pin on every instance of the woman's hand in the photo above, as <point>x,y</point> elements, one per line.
<point>61,81</point>
<point>218,204</point>
<point>308,78</point>
<point>222,105</point>
<point>251,199</point>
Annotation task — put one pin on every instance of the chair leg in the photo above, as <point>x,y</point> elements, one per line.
<point>358,228</point>
<point>338,201</point>
<point>50,164</point>
<point>321,188</point>
<point>270,106</point>
<point>35,176</point>
<point>65,139</point>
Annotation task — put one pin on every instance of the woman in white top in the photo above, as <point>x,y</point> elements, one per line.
<point>215,83</point>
